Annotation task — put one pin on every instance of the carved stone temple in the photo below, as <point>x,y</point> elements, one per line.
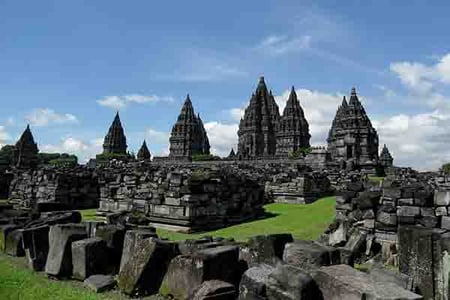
<point>115,141</point>
<point>292,129</point>
<point>386,159</point>
<point>188,136</point>
<point>25,151</point>
<point>352,140</point>
<point>143,153</point>
<point>257,129</point>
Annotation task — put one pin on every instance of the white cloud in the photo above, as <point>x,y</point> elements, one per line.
<point>4,136</point>
<point>156,137</point>
<point>47,116</point>
<point>279,45</point>
<point>222,137</point>
<point>82,148</point>
<point>423,78</point>
<point>237,113</point>
<point>119,102</point>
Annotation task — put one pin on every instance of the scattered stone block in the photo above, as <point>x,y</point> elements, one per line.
<point>59,260</point>
<point>254,282</point>
<point>287,282</point>
<point>131,238</point>
<point>309,255</point>
<point>5,230</point>
<point>89,257</point>
<point>143,273</point>
<point>408,211</point>
<point>215,290</point>
<point>266,248</point>
<point>339,236</point>
<point>343,282</point>
<point>13,243</point>
<point>187,272</point>
<point>441,211</point>
<point>114,237</point>
<point>441,198</point>
<point>445,222</point>
<point>100,283</point>
<point>387,218</point>
<point>36,245</point>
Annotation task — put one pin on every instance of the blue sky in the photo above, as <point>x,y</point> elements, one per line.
<point>66,66</point>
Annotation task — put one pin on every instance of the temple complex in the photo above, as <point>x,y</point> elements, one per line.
<point>293,129</point>
<point>143,153</point>
<point>188,136</point>
<point>257,129</point>
<point>386,159</point>
<point>25,151</point>
<point>115,141</point>
<point>352,140</point>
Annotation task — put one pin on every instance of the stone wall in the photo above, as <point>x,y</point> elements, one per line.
<point>189,196</point>
<point>74,188</point>
<point>5,181</point>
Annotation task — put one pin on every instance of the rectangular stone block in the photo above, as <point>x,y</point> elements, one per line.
<point>441,211</point>
<point>89,257</point>
<point>408,211</point>
<point>441,198</point>
<point>445,222</point>
<point>406,201</point>
<point>35,243</point>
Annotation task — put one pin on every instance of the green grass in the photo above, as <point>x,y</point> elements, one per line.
<point>17,282</point>
<point>89,214</point>
<point>376,179</point>
<point>302,221</point>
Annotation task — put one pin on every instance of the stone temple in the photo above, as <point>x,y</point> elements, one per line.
<point>352,140</point>
<point>263,133</point>
<point>386,159</point>
<point>115,141</point>
<point>143,153</point>
<point>25,151</point>
<point>293,128</point>
<point>188,136</point>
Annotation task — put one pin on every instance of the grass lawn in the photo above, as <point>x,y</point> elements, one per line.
<point>302,221</point>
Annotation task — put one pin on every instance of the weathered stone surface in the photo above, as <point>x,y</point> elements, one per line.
<point>343,282</point>
<point>187,272</point>
<point>143,273</point>
<point>387,218</point>
<point>416,258</point>
<point>441,211</point>
<point>308,254</point>
<point>35,243</point>
<point>339,236</point>
<point>287,282</point>
<point>6,230</point>
<point>89,257</point>
<point>254,282</point>
<point>445,222</point>
<point>59,260</point>
<point>100,283</point>
<point>441,198</point>
<point>13,243</point>
<point>215,290</point>
<point>114,237</point>
<point>408,211</point>
<point>132,237</point>
<point>265,248</point>
<point>115,141</point>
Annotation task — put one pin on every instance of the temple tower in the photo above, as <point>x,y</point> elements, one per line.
<point>293,129</point>
<point>188,136</point>
<point>115,141</point>
<point>386,159</point>
<point>352,138</point>
<point>25,151</point>
<point>257,129</point>
<point>143,153</point>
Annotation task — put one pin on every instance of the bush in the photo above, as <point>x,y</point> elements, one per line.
<point>204,157</point>
<point>302,152</point>
<point>57,159</point>
<point>446,168</point>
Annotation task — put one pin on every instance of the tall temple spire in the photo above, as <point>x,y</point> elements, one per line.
<point>25,151</point>
<point>188,136</point>
<point>257,127</point>
<point>143,153</point>
<point>293,128</point>
<point>351,120</point>
<point>115,141</point>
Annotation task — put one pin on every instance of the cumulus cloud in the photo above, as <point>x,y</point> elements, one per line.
<point>4,136</point>
<point>279,45</point>
<point>156,137</point>
<point>119,102</point>
<point>84,149</point>
<point>222,137</point>
<point>422,78</point>
<point>47,116</point>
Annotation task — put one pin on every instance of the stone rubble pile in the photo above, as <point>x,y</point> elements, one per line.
<point>132,259</point>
